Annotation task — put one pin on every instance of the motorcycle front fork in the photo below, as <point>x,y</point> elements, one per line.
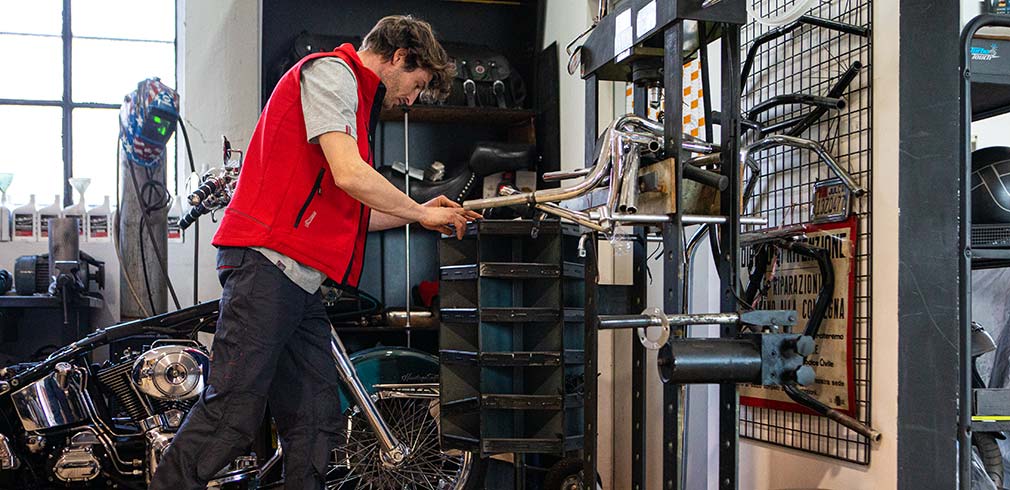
<point>392,451</point>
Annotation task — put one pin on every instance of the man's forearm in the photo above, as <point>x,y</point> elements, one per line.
<point>368,186</point>
<point>382,221</point>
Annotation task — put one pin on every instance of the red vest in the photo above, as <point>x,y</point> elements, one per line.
<point>286,199</point>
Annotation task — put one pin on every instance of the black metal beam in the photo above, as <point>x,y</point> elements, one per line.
<point>68,140</point>
<point>729,239</point>
<point>599,50</point>
<point>929,183</point>
<point>673,236</point>
<point>639,375</point>
<point>591,366</point>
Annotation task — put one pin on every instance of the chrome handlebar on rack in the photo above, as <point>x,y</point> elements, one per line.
<point>794,142</point>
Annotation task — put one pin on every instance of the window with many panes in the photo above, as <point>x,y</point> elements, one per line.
<point>65,66</point>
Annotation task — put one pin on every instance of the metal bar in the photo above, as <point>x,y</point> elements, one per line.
<point>794,142</point>
<point>675,320</point>
<point>68,137</point>
<point>406,227</point>
<point>729,239</point>
<point>389,446</point>
<point>639,378</point>
<point>673,235</point>
<point>788,99</point>
<point>837,90</point>
<point>590,365</point>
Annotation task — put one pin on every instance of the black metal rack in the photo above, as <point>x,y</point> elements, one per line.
<point>511,344</point>
<point>982,247</point>
<point>602,59</point>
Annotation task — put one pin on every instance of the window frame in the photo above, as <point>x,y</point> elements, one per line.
<point>67,104</point>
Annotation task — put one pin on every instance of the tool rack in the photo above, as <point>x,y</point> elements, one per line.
<point>984,94</point>
<point>655,30</point>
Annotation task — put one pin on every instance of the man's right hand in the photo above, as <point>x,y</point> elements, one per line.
<point>442,218</point>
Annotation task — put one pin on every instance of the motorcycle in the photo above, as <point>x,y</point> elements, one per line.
<point>68,422</point>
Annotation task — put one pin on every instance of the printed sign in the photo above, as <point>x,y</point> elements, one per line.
<point>796,284</point>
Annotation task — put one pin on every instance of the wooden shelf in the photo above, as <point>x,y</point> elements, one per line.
<point>455,114</point>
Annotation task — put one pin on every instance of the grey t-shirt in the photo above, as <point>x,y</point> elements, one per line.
<point>329,103</point>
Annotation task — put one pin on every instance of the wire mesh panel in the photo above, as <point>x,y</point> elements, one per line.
<point>810,60</point>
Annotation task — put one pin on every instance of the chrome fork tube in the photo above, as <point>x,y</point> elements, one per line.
<point>392,451</point>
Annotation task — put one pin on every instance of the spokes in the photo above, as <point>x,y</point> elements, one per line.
<point>358,465</point>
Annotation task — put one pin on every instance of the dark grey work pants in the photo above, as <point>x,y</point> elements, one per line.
<point>271,348</point>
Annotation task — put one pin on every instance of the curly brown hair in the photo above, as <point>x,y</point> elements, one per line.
<point>423,50</point>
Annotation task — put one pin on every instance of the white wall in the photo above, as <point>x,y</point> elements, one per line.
<point>219,84</point>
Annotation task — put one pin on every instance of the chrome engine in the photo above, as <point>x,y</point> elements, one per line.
<point>171,372</point>
<point>78,461</point>
<point>119,422</point>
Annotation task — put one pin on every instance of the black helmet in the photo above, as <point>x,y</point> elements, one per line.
<point>990,185</point>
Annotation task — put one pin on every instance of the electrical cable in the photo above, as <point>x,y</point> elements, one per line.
<point>157,250</point>
<point>196,224</point>
<point>801,7</point>
<point>116,238</point>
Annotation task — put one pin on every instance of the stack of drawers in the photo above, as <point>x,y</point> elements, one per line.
<point>512,337</point>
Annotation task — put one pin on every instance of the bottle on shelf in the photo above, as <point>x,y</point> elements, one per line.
<point>45,213</point>
<point>98,222</point>
<point>26,222</point>
<point>80,209</point>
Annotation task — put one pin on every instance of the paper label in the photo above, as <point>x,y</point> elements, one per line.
<point>624,34</point>
<point>646,19</point>
<point>98,226</point>
<point>24,225</point>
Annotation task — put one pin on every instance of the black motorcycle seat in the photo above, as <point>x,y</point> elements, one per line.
<point>493,157</point>
<point>456,188</point>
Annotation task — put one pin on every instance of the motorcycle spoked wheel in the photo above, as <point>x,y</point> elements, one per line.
<point>414,421</point>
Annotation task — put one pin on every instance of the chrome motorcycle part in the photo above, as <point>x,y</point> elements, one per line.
<point>357,462</point>
<point>392,450</point>
<point>171,372</point>
<point>78,462</point>
<point>8,459</point>
<point>35,444</point>
<point>44,404</point>
<point>794,142</point>
<point>657,314</point>
<point>241,474</point>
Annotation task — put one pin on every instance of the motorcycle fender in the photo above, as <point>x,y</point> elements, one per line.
<point>389,365</point>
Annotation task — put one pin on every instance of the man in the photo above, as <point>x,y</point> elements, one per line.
<point>305,199</point>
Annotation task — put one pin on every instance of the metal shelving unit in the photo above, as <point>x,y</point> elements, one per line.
<point>982,247</point>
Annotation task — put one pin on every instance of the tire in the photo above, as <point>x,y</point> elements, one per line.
<point>992,458</point>
<point>356,464</point>
<point>567,475</point>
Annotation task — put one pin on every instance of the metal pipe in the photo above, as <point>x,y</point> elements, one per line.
<point>566,174</point>
<point>787,99</point>
<point>687,219</point>
<point>836,91</point>
<point>704,361</point>
<point>406,228</point>
<point>619,150</point>
<point>569,214</point>
<point>392,451</point>
<point>792,141</point>
<point>608,322</point>
<point>627,197</point>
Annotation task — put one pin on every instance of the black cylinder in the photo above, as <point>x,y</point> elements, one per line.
<point>701,361</point>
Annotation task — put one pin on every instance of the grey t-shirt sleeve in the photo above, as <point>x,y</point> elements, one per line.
<point>329,98</point>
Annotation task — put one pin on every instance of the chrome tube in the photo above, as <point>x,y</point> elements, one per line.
<point>617,164</point>
<point>627,197</point>
<point>794,142</point>
<point>392,451</point>
<point>675,320</point>
<point>569,214</point>
<point>566,174</point>
<point>687,219</point>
